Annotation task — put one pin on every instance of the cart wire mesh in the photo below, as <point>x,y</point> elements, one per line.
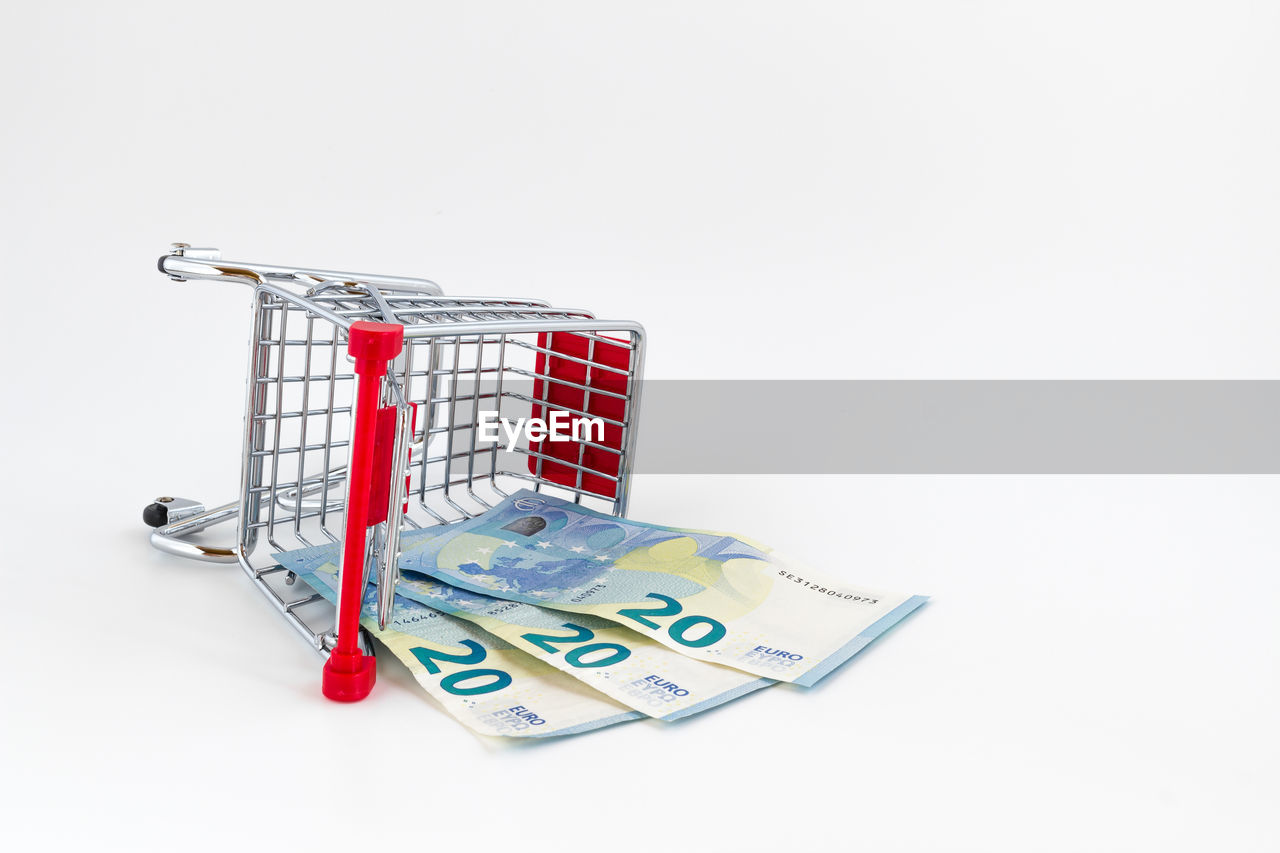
<point>468,364</point>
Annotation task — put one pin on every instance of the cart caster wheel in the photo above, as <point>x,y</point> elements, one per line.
<point>156,514</point>
<point>168,510</point>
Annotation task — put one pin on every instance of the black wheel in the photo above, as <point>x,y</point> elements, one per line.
<point>156,515</point>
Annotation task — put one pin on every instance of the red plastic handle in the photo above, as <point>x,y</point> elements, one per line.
<point>348,674</point>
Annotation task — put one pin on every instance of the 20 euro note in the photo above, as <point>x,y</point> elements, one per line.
<point>635,670</point>
<point>480,680</point>
<point>706,595</point>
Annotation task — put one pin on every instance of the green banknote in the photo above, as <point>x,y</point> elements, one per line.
<point>635,670</point>
<point>707,595</point>
<point>480,680</point>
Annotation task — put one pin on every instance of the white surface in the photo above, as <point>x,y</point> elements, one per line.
<point>1097,670</point>
<point>915,190</point>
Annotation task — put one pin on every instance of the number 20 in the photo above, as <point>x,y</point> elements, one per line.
<point>679,629</point>
<point>453,683</point>
<point>582,655</point>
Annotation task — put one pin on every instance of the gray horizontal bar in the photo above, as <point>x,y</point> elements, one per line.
<point>959,427</point>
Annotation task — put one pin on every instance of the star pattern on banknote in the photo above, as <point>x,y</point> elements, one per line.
<point>601,557</point>
<point>578,549</point>
<point>509,544</point>
<point>484,550</point>
<point>544,544</point>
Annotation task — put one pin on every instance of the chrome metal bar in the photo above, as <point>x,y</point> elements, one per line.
<point>622,495</point>
<point>389,566</point>
<point>183,263</point>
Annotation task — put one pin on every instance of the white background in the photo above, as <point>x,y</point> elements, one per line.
<point>844,190</point>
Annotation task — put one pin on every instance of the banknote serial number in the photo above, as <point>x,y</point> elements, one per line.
<point>833,593</point>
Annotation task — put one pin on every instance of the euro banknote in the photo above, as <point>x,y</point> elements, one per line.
<point>707,595</point>
<point>480,680</point>
<point>627,666</point>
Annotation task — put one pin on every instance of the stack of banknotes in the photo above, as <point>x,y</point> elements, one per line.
<point>541,617</point>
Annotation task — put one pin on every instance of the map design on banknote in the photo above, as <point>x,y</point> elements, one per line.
<point>576,552</point>
<point>571,554</point>
<point>537,579</point>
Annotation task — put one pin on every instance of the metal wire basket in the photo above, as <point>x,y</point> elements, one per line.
<point>439,375</point>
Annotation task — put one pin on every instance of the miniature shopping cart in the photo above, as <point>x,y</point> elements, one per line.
<point>372,404</point>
